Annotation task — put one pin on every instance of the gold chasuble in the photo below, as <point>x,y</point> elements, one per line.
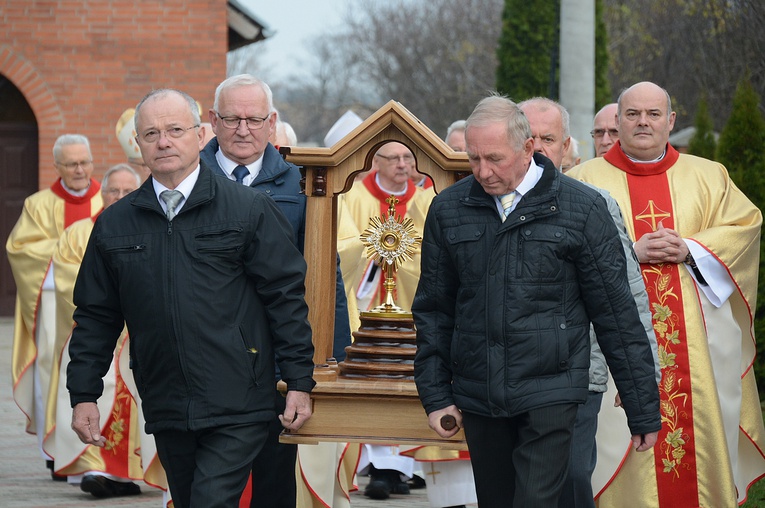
<point>365,200</point>
<point>710,448</point>
<point>119,421</point>
<point>30,246</point>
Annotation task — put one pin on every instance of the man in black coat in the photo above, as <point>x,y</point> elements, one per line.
<point>517,260</point>
<point>211,286</point>
<point>242,117</point>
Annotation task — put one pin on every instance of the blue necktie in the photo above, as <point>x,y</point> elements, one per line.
<point>239,173</point>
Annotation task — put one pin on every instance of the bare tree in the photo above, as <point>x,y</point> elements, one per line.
<point>689,47</point>
<point>436,58</point>
<point>313,104</point>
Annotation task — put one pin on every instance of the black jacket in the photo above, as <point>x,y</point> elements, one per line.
<point>503,309</point>
<point>209,298</point>
<point>281,181</point>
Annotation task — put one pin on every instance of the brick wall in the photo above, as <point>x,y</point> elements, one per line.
<point>81,63</point>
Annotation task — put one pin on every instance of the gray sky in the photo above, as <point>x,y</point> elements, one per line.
<point>293,23</point>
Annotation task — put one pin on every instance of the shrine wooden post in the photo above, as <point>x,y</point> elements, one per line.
<point>360,410</point>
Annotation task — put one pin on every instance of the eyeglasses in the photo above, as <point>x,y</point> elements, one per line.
<point>408,159</point>
<point>118,192</point>
<point>253,123</point>
<point>599,133</point>
<point>153,135</point>
<point>72,166</point>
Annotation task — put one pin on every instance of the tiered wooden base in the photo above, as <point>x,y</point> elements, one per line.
<point>374,399</point>
<point>384,347</point>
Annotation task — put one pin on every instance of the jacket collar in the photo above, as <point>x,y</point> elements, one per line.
<point>273,170</point>
<point>203,191</point>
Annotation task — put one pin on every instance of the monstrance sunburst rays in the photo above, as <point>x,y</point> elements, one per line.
<point>390,241</point>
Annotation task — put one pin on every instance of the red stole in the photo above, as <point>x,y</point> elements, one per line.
<point>76,207</point>
<point>674,453</point>
<point>117,450</point>
<point>377,192</point>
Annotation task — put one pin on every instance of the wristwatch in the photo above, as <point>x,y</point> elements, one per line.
<point>692,263</point>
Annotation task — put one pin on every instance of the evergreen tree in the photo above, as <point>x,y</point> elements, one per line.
<point>740,149</point>
<point>528,49</point>
<point>602,84</point>
<point>741,143</point>
<point>703,141</point>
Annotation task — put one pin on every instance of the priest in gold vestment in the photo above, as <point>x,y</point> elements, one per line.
<point>697,238</point>
<point>107,471</point>
<point>391,168</point>
<point>45,215</point>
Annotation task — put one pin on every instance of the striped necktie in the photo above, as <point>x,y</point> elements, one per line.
<point>171,199</point>
<point>507,203</point>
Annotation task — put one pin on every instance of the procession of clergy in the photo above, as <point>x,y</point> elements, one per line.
<point>710,448</point>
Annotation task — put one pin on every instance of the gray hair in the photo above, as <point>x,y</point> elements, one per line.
<point>574,148</point>
<point>67,140</point>
<point>619,100</point>
<point>544,104</point>
<point>244,80</point>
<point>456,126</point>
<point>163,92</point>
<point>500,109</point>
<point>116,169</point>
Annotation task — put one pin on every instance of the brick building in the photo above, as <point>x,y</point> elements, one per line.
<point>73,66</point>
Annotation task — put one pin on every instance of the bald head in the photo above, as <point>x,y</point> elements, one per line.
<point>645,119</point>
<point>604,129</point>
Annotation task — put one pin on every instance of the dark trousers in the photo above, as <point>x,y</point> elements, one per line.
<point>520,461</point>
<point>273,470</point>
<point>209,468</point>
<point>577,489</point>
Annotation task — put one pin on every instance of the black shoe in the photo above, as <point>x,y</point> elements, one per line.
<point>378,488</point>
<point>101,486</point>
<point>384,482</point>
<point>53,476</point>
<point>400,488</point>
<point>416,482</point>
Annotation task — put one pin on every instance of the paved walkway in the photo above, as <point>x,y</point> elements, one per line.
<point>25,483</point>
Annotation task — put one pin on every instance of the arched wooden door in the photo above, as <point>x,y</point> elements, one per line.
<point>19,172</point>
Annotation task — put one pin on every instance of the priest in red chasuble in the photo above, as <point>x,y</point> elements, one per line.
<point>697,237</point>
<point>73,196</point>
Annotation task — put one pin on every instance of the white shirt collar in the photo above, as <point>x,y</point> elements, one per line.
<point>657,159</point>
<point>529,181</point>
<point>76,193</point>
<point>387,191</point>
<point>185,187</point>
<point>228,166</point>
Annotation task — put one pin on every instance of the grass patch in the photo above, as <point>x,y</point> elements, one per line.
<point>756,497</point>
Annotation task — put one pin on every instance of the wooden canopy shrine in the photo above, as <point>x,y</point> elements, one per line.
<point>352,410</point>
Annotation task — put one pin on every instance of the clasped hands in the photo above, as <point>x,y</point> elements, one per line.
<point>661,246</point>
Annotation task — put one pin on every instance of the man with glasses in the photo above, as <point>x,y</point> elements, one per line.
<point>102,473</point>
<point>243,118</point>
<point>549,122</point>
<point>391,167</point>
<point>73,196</point>
<point>208,280</point>
<point>605,132</point>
